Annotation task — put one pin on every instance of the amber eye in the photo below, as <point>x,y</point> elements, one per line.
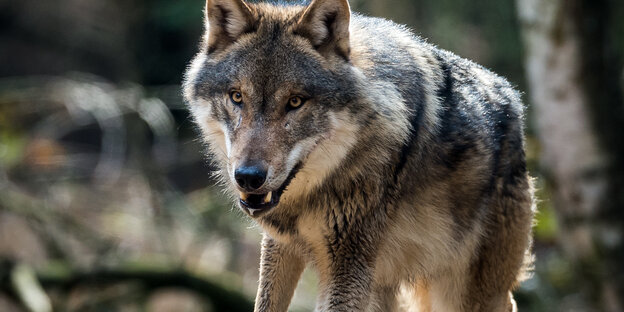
<point>236,97</point>
<point>295,102</point>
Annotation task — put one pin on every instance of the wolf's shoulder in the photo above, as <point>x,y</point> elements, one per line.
<point>384,38</point>
<point>392,52</point>
<point>469,100</point>
<point>387,43</point>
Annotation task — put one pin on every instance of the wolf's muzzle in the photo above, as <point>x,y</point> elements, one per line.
<point>257,204</point>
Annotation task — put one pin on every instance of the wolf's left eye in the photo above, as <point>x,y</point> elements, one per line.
<point>236,97</point>
<point>294,102</point>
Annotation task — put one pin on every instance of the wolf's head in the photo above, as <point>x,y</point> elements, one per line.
<point>273,91</point>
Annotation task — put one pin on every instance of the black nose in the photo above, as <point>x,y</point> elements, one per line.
<point>250,178</point>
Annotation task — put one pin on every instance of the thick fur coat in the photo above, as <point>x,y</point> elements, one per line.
<point>393,168</point>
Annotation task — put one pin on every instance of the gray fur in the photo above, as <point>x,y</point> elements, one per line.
<point>425,189</point>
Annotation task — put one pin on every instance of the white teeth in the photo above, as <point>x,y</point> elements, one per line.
<point>267,199</point>
<point>243,196</point>
<point>252,211</point>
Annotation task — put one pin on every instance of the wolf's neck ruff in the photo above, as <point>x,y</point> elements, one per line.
<point>359,148</point>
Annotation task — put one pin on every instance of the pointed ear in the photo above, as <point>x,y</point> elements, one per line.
<point>326,24</point>
<point>226,20</point>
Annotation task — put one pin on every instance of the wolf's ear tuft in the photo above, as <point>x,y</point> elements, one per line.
<point>226,20</point>
<point>326,24</point>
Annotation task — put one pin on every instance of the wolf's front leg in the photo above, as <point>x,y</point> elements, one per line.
<point>348,287</point>
<point>280,270</point>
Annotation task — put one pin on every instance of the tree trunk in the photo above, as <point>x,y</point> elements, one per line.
<point>574,85</point>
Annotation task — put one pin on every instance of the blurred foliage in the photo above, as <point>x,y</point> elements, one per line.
<point>101,169</point>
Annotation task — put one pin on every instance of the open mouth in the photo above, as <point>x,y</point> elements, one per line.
<point>256,204</point>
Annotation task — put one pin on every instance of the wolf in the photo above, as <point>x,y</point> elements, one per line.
<point>394,168</point>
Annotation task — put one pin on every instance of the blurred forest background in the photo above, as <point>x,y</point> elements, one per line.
<point>106,203</point>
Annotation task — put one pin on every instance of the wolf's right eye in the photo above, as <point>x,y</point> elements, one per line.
<point>236,97</point>
<point>294,103</point>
